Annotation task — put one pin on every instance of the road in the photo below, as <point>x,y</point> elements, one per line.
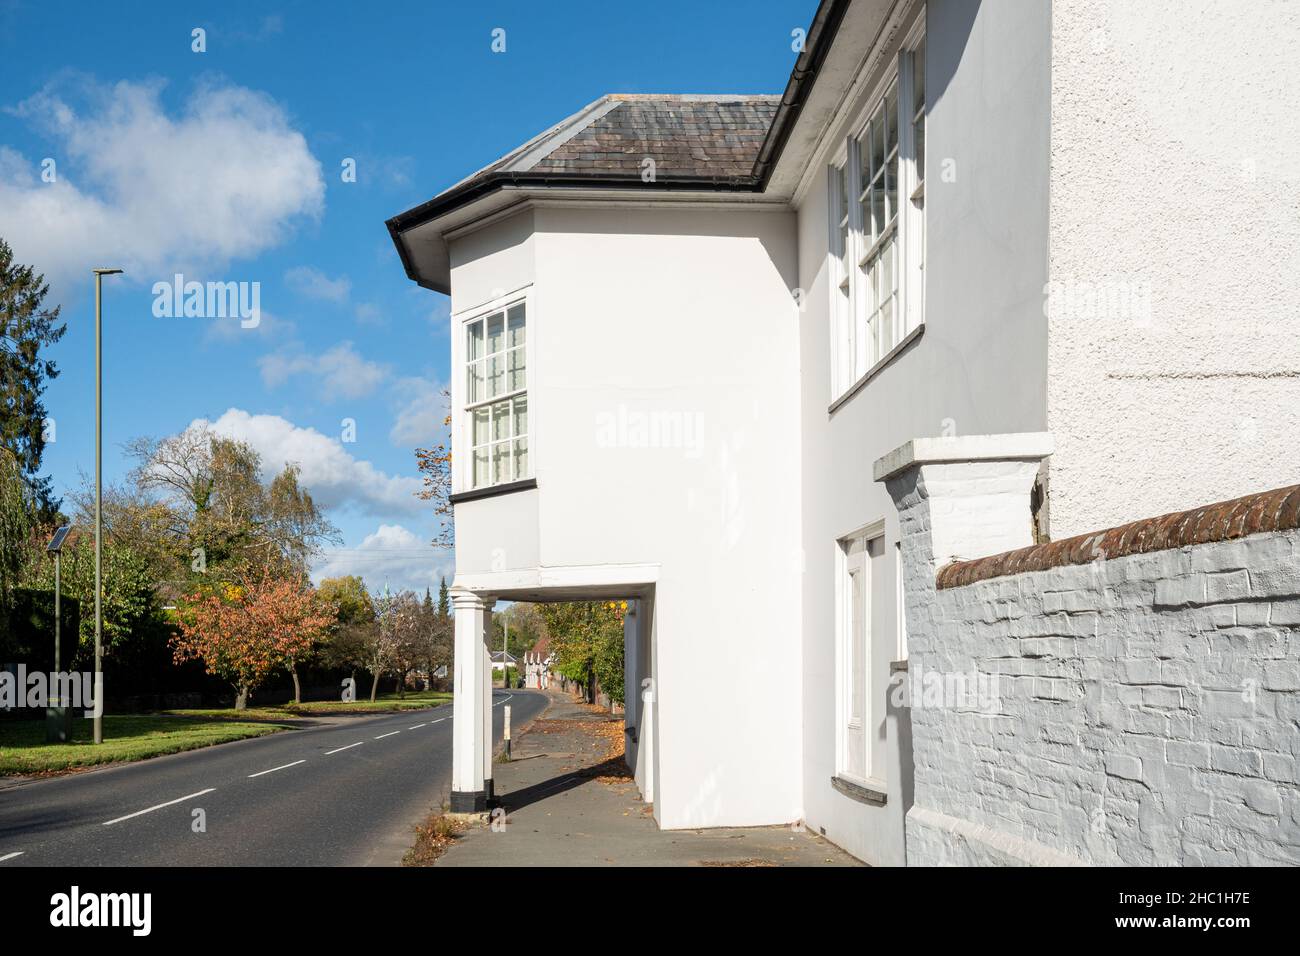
<point>348,794</point>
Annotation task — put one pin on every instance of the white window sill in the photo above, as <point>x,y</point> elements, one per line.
<point>876,369</point>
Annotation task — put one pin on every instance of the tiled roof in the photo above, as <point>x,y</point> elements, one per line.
<point>685,136</point>
<point>688,137</point>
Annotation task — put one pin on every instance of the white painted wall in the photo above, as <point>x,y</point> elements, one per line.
<point>684,317</point>
<point>978,368</point>
<point>1174,174</point>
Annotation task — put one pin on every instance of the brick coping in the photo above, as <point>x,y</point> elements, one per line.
<point>1264,511</point>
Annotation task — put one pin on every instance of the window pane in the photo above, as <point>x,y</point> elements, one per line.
<point>481,419</point>
<point>500,421</point>
<point>474,385</point>
<point>877,201</point>
<point>918,108</point>
<point>918,134</point>
<point>474,340</point>
<point>480,466</point>
<point>891,119</point>
<point>521,458</point>
<point>515,333</point>
<point>496,375</point>
<point>521,415</point>
<point>877,141</point>
<point>496,332</point>
<point>864,157</point>
<point>918,78</point>
<point>891,187</point>
<point>515,359</point>
<point>501,462</point>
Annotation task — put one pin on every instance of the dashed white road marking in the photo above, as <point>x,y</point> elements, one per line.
<point>438,721</point>
<point>341,749</point>
<point>10,856</point>
<point>503,700</point>
<point>382,736</point>
<point>286,766</point>
<point>140,813</point>
<point>417,727</point>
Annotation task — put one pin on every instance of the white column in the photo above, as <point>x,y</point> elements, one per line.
<point>486,706</point>
<point>468,739</point>
<point>631,683</point>
<point>958,499</point>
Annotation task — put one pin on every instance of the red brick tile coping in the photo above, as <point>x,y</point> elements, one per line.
<point>1264,511</point>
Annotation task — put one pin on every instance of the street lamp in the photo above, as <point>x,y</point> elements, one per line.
<point>56,718</point>
<point>99,502</point>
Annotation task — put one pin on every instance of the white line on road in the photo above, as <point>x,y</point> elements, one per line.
<point>140,813</point>
<point>417,726</point>
<point>10,856</point>
<point>382,736</point>
<point>438,721</point>
<point>341,749</point>
<point>274,769</point>
<point>503,700</point>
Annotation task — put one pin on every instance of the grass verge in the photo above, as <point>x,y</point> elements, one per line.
<point>127,737</point>
<point>323,708</point>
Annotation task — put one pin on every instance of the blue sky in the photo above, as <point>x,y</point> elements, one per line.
<point>226,165</point>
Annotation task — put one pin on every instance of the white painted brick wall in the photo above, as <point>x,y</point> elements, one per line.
<point>1148,706</point>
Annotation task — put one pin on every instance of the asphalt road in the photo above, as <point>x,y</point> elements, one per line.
<point>343,795</point>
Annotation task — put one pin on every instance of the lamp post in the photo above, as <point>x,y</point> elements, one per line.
<point>56,716</point>
<point>99,501</point>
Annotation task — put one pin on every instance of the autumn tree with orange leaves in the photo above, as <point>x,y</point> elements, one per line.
<point>243,633</point>
<point>435,468</point>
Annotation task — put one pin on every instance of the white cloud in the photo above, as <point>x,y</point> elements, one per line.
<point>333,476</point>
<point>370,314</point>
<point>340,371</point>
<point>154,193</point>
<point>391,555</point>
<point>421,410</point>
<point>315,284</point>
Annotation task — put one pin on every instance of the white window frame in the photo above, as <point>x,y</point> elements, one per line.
<point>854,360</point>
<point>462,418</point>
<point>872,760</point>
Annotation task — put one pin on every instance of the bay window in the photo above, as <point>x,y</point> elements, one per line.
<point>496,396</point>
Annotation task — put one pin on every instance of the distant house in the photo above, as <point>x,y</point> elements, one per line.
<point>503,659</point>
<point>537,665</point>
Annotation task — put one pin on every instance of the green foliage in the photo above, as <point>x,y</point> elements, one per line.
<point>350,595</point>
<point>130,602</point>
<point>26,327</point>
<point>29,635</point>
<point>587,641</point>
<point>16,521</point>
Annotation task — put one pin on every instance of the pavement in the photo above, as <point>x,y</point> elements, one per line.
<point>348,792</point>
<point>570,801</point>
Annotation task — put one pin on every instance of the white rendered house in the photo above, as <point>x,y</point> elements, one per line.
<point>686,327</point>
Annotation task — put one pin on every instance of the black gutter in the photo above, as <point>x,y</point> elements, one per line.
<point>826,23</point>
<point>821,33</point>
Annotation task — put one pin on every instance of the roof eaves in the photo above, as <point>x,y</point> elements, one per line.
<point>817,44</point>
